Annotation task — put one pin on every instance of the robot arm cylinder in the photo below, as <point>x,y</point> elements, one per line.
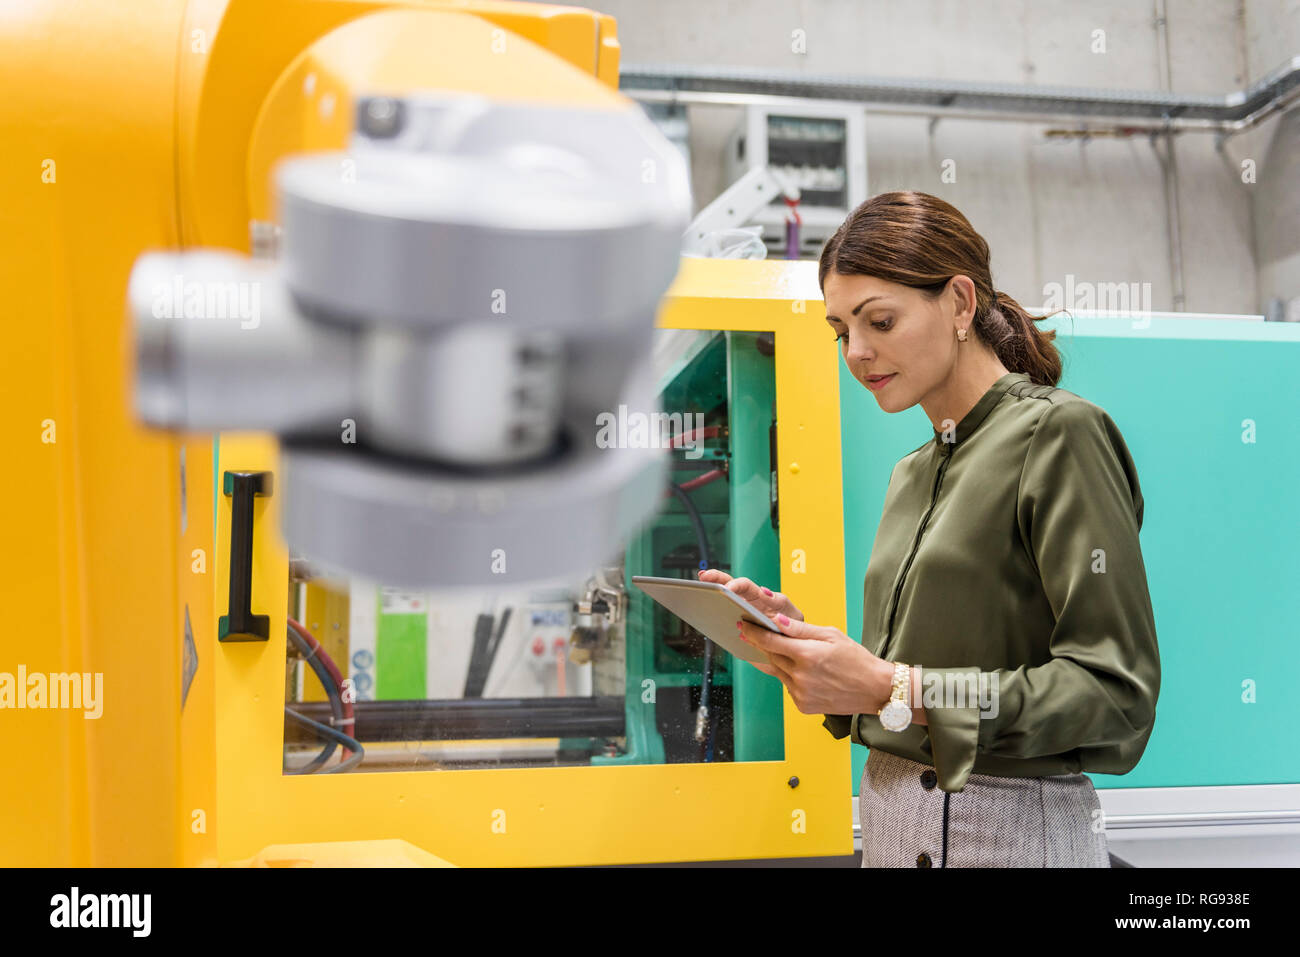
<point>459,298</point>
<point>221,345</point>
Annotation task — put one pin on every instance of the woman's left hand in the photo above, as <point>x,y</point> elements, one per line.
<point>825,671</point>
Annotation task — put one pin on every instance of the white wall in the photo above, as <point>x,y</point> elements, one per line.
<point>1272,35</point>
<point>1048,207</point>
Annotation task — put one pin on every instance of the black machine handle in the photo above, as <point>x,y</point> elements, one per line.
<point>241,624</point>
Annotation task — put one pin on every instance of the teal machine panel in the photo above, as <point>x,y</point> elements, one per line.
<point>1210,409</point>
<point>728,378</point>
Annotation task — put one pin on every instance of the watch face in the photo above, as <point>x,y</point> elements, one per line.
<point>895,716</point>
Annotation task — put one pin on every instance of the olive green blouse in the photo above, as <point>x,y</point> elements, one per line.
<point>1007,566</point>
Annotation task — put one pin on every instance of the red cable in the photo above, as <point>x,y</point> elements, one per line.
<point>711,476</point>
<point>792,228</point>
<point>708,432</point>
<point>793,205</point>
<point>349,718</point>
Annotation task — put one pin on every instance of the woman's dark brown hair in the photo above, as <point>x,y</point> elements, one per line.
<point>919,240</point>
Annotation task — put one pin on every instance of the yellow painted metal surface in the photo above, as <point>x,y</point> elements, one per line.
<point>259,53</point>
<point>311,105</point>
<point>196,796</point>
<point>88,573</point>
<point>583,815</point>
<point>392,853</point>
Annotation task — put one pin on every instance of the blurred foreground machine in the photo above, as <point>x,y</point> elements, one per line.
<point>457,297</point>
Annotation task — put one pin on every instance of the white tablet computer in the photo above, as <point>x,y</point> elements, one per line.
<point>711,609</point>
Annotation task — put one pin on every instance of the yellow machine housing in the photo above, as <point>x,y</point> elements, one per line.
<point>155,125</point>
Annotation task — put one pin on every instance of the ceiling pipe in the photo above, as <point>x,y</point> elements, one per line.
<point>1097,110</point>
<point>1169,166</point>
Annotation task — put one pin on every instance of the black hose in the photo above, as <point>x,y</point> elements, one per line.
<point>331,692</point>
<point>334,736</point>
<point>706,560</point>
<point>693,514</point>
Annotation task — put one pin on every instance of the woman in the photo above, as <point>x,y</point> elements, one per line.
<point>1008,638</point>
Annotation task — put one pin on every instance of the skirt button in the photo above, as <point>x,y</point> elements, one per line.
<point>929,779</point>
<point>923,860</point>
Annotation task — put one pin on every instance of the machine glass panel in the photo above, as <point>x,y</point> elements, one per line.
<point>588,671</point>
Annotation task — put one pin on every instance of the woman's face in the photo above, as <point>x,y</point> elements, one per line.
<point>893,331</point>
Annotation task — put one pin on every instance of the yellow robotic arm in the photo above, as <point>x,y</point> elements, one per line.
<point>162,126</point>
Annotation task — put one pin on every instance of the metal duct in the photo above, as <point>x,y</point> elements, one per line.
<point>1130,109</point>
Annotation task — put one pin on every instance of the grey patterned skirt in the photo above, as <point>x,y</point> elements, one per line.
<point>907,821</point>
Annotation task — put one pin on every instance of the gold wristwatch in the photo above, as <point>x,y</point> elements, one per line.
<point>897,712</point>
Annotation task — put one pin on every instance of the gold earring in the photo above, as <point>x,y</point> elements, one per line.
<point>961,335</point>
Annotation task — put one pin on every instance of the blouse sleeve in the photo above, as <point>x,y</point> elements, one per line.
<point>1079,510</point>
<point>846,725</point>
<point>840,725</point>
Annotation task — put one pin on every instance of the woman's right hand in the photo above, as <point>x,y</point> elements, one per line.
<point>770,603</point>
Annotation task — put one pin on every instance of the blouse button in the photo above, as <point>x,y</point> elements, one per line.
<point>928,779</point>
<point>923,860</point>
